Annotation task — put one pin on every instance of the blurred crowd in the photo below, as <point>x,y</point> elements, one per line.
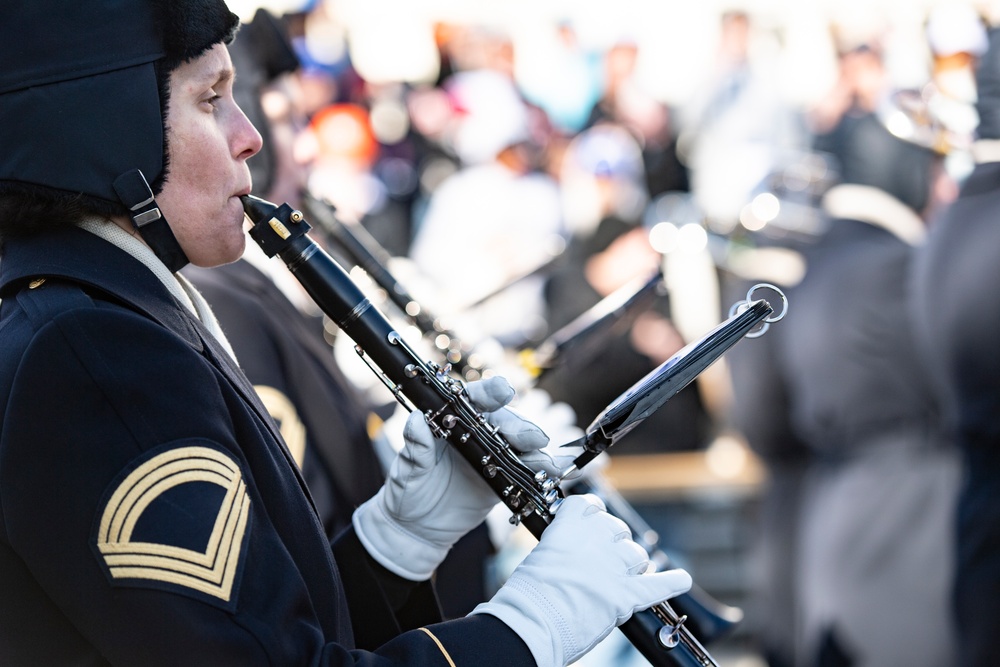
<point>520,175</point>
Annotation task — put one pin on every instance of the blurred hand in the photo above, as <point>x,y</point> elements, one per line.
<point>655,336</point>
<point>630,255</point>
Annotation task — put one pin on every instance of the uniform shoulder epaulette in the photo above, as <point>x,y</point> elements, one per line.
<point>44,298</point>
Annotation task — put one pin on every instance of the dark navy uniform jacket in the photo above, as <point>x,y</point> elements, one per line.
<point>957,314</point>
<point>836,400</point>
<point>150,513</point>
<point>323,419</point>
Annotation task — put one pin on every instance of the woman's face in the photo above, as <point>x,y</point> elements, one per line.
<point>209,140</point>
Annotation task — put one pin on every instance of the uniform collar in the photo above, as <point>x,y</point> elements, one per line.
<point>877,208</point>
<point>76,255</point>
<point>178,286</point>
<point>986,150</point>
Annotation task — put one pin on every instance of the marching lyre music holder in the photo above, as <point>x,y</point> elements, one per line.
<point>747,319</point>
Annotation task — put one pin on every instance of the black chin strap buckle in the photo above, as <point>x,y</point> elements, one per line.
<point>135,193</point>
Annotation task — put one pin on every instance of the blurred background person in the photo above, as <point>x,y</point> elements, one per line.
<point>499,213</point>
<point>627,101</point>
<point>838,404</point>
<point>956,38</point>
<point>604,185</point>
<point>559,73</point>
<point>957,314</point>
<point>736,126</point>
<point>362,164</point>
<point>840,388</point>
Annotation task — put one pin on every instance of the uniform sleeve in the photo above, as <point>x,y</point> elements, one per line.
<point>154,533</point>
<point>480,640</point>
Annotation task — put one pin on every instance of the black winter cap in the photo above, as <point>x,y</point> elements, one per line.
<point>79,100</point>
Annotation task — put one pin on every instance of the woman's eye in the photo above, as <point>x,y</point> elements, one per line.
<point>212,100</point>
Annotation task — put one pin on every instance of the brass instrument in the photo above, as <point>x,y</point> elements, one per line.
<point>659,633</point>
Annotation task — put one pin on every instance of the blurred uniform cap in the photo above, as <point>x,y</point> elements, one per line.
<point>608,151</point>
<point>489,114</point>
<point>988,89</point>
<point>955,29</point>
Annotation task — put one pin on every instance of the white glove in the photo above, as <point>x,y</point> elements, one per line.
<point>538,455</point>
<point>432,497</point>
<point>558,420</point>
<point>584,578</point>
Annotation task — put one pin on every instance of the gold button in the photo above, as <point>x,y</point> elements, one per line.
<point>36,283</point>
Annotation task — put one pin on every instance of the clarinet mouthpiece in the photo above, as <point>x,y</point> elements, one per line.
<point>257,209</point>
<point>275,228</point>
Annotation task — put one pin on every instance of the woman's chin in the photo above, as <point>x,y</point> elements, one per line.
<point>224,250</point>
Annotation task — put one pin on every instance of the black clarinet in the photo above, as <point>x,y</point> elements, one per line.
<point>533,498</point>
<point>708,618</point>
<point>366,252</point>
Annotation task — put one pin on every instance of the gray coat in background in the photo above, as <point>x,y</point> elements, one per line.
<point>957,316</point>
<point>846,406</point>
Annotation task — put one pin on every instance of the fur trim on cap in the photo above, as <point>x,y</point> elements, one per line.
<point>82,98</point>
<point>190,27</point>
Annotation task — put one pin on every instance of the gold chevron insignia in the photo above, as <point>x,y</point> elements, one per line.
<point>210,572</point>
<point>283,411</point>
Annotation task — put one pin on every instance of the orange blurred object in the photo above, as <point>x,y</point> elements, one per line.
<point>343,131</point>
